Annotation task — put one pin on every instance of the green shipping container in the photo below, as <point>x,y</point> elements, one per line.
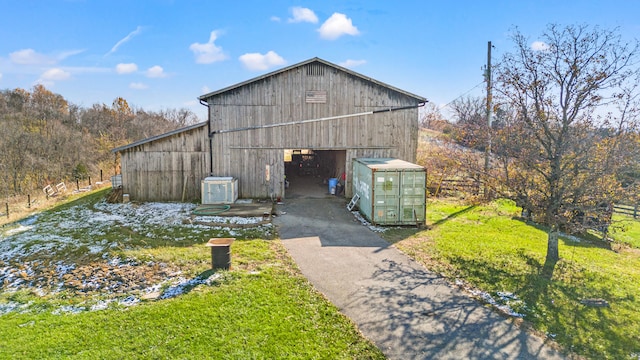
<point>391,191</point>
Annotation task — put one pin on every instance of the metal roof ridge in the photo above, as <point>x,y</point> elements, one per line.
<point>309,61</point>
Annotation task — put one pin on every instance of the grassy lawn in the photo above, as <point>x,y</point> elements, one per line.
<point>487,247</point>
<point>626,230</point>
<point>84,296</point>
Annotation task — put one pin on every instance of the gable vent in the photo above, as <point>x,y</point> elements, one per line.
<point>315,70</point>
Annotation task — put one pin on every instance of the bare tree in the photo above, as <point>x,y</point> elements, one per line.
<point>180,117</point>
<point>430,115</point>
<point>563,167</point>
<point>471,122</point>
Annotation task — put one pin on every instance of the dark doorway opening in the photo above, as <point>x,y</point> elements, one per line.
<point>308,172</point>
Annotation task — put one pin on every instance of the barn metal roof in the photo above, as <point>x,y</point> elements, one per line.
<point>161,136</point>
<point>300,64</point>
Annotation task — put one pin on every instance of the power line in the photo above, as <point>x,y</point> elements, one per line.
<point>465,93</point>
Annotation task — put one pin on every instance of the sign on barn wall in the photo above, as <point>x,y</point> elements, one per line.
<point>316,96</point>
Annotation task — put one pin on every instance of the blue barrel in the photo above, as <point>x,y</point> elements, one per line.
<point>333,182</point>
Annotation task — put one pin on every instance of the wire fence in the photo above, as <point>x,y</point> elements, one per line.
<point>627,210</point>
<point>448,187</point>
<point>15,207</point>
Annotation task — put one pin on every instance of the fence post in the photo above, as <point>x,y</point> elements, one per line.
<point>29,201</point>
<point>89,180</point>
<point>7,206</point>
<point>100,175</point>
<point>77,184</point>
<point>635,211</point>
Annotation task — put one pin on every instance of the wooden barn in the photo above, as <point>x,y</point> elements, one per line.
<point>167,167</point>
<point>270,129</point>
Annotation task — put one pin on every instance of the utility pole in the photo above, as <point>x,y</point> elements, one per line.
<point>487,150</point>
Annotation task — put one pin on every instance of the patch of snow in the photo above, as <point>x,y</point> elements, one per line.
<point>10,307</point>
<point>18,230</point>
<point>69,309</point>
<point>62,268</point>
<point>506,296</point>
<point>230,220</point>
<point>505,308</point>
<point>152,289</point>
<point>571,237</point>
<point>95,249</point>
<point>503,304</point>
<point>366,223</point>
<point>183,284</point>
<point>101,305</point>
<point>52,236</point>
<point>129,301</point>
<point>29,221</point>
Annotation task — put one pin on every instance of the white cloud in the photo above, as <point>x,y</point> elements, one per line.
<point>259,62</point>
<point>138,86</point>
<point>539,46</point>
<point>30,57</point>
<point>349,63</point>
<point>205,89</point>
<point>275,19</point>
<point>50,76</point>
<point>301,14</point>
<point>87,69</point>
<point>0,76</point>
<point>208,53</point>
<point>336,26</point>
<point>156,72</point>
<point>126,68</point>
<point>65,54</point>
<point>115,47</point>
<point>55,74</point>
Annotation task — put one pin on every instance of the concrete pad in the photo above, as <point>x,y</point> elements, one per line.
<point>253,209</point>
<point>406,310</point>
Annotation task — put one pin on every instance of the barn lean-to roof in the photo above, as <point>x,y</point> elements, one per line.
<point>158,137</point>
<point>307,62</point>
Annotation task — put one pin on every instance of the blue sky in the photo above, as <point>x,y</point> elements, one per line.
<point>164,54</point>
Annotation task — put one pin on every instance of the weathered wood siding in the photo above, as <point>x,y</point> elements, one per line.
<point>282,98</point>
<point>167,169</point>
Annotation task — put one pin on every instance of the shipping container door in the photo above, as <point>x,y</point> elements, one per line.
<point>386,197</point>
<point>412,199</point>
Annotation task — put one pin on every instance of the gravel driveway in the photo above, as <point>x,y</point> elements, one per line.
<point>407,311</point>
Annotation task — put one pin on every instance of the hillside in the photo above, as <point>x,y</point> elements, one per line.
<point>45,139</point>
